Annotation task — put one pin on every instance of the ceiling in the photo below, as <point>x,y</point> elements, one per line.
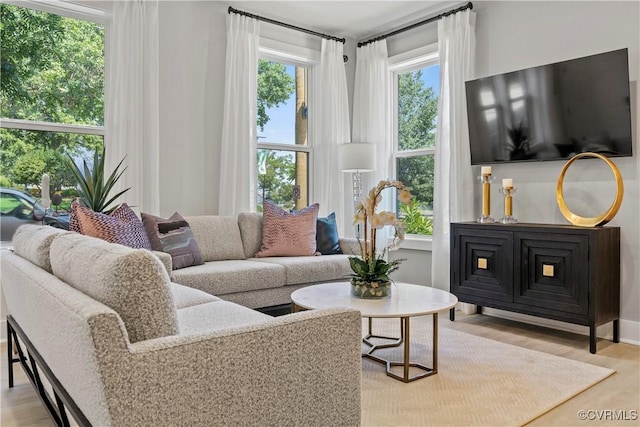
<point>358,20</point>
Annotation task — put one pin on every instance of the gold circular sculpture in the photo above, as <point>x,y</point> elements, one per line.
<point>600,219</point>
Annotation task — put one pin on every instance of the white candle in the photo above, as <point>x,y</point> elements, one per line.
<point>46,201</point>
<point>485,170</point>
<point>507,183</point>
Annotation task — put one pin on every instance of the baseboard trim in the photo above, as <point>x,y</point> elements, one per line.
<point>629,330</point>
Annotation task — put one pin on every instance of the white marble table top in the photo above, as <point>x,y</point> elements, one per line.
<point>406,300</point>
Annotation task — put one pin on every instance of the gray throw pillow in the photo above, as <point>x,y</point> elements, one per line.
<point>173,236</point>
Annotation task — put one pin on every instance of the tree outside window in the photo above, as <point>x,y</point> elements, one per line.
<point>51,95</point>
<point>283,150</point>
<point>415,126</point>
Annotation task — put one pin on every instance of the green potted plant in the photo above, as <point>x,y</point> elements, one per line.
<point>370,278</point>
<point>93,188</point>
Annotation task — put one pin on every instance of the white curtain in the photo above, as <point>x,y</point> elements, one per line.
<point>333,130</point>
<point>239,133</point>
<point>453,192</point>
<point>371,117</point>
<point>132,123</point>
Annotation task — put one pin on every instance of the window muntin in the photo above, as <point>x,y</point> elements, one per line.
<point>283,147</point>
<point>52,90</point>
<point>416,90</point>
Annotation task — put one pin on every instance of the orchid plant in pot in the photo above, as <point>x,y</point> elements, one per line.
<point>370,278</point>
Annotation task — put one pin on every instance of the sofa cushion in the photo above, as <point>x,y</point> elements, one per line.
<point>32,242</point>
<point>327,239</point>
<point>218,237</point>
<point>222,277</point>
<point>173,236</point>
<point>184,296</point>
<point>133,282</point>
<point>121,226</point>
<point>251,231</point>
<point>217,315</point>
<point>288,233</point>
<point>311,269</point>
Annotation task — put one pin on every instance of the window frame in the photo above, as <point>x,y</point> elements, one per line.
<point>272,50</point>
<point>78,12</point>
<point>399,64</point>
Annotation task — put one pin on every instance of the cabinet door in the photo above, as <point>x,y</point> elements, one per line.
<point>552,271</point>
<point>483,264</point>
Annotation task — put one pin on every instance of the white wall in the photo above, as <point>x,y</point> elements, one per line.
<point>510,36</point>
<point>515,35</point>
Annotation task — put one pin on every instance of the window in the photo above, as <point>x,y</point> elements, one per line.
<point>51,92</point>
<point>416,88</point>
<point>283,148</point>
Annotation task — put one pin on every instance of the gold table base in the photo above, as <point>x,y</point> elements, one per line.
<point>406,362</point>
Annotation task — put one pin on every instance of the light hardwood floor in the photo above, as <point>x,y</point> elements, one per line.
<point>619,394</point>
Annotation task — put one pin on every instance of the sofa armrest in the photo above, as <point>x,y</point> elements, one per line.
<point>299,369</point>
<point>165,258</point>
<point>350,246</point>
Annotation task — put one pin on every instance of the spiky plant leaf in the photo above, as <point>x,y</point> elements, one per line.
<point>94,191</point>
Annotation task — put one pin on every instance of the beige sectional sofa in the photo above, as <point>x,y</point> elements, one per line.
<point>233,273</point>
<point>132,348</point>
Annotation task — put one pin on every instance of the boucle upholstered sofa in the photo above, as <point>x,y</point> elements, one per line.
<point>131,348</point>
<point>233,273</point>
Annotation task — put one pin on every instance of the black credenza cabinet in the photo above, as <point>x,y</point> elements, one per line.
<point>560,272</point>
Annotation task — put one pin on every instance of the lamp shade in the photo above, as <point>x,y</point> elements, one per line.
<point>357,157</point>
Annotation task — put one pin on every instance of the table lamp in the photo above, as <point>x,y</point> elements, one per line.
<point>357,157</point>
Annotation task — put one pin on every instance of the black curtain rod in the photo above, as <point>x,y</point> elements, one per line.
<point>417,24</point>
<point>282,24</point>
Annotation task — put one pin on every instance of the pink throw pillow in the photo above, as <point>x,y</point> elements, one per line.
<point>288,233</point>
<point>121,226</point>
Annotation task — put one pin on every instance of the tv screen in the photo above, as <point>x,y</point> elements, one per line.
<point>552,112</point>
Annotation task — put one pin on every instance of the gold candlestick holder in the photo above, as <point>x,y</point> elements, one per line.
<point>486,179</point>
<point>508,205</point>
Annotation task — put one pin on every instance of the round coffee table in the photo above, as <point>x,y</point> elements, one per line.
<point>406,301</point>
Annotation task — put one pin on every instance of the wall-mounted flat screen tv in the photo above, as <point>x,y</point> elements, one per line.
<point>552,112</point>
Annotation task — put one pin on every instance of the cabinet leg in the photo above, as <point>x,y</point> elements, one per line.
<point>452,314</point>
<point>592,339</point>
<point>616,330</point>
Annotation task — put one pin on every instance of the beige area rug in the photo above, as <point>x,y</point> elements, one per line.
<point>480,382</point>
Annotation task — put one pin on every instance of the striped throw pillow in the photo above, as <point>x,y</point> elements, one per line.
<point>121,226</point>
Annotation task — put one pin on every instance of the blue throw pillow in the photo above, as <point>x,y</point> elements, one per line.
<point>327,240</point>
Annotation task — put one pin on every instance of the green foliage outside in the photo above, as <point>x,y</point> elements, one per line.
<point>52,71</point>
<point>28,169</point>
<point>414,221</point>
<point>275,87</point>
<point>276,184</point>
<point>417,113</point>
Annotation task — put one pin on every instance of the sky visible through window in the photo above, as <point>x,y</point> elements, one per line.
<point>281,125</point>
<point>281,128</point>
